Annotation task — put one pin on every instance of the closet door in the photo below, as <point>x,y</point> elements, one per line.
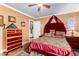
<point>36,29</point>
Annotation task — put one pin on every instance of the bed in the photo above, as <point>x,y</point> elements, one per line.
<point>53,42</point>
<point>45,45</point>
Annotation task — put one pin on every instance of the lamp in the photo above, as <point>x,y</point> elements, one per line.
<point>40,5</point>
<point>71,25</point>
<point>72,29</point>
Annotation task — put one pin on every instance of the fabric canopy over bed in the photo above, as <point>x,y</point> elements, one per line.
<point>58,25</point>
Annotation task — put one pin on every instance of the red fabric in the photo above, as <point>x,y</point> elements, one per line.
<point>58,26</point>
<point>49,50</point>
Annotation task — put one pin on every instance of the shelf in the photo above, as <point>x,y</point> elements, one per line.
<point>14,37</point>
<point>14,48</point>
<point>13,41</point>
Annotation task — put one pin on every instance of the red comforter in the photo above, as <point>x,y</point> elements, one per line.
<point>49,50</point>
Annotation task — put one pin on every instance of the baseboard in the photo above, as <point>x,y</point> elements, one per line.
<point>24,42</point>
<point>1,51</point>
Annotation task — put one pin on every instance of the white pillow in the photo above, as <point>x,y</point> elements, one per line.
<point>60,33</point>
<point>52,32</point>
<point>47,34</point>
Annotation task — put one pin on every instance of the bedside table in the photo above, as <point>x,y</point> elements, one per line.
<point>73,41</point>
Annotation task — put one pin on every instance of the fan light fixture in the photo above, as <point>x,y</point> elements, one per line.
<point>40,5</point>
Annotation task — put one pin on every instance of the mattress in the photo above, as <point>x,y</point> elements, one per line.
<point>58,42</point>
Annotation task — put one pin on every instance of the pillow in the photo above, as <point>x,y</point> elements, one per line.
<point>60,33</point>
<point>47,34</point>
<point>52,32</point>
<point>59,36</point>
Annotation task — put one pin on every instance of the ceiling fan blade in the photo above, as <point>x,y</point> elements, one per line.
<point>47,6</point>
<point>32,5</point>
<point>39,8</point>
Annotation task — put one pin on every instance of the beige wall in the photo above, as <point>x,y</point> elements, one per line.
<point>43,22</point>
<point>19,17</point>
<point>63,17</point>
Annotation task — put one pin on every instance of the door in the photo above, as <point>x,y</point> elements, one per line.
<point>36,29</point>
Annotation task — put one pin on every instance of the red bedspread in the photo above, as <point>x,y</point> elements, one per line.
<point>49,50</point>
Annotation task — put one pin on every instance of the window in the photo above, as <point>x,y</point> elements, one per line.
<point>70,23</point>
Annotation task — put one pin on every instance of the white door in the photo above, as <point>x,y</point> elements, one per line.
<point>1,39</point>
<point>36,29</point>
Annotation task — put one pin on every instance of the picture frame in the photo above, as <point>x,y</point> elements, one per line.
<point>12,19</point>
<point>23,24</point>
<point>1,20</point>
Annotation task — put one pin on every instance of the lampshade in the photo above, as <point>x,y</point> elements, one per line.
<point>72,28</point>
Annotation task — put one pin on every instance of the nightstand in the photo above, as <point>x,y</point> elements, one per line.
<point>73,41</point>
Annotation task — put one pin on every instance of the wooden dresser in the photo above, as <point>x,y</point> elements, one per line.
<point>73,41</point>
<point>13,39</point>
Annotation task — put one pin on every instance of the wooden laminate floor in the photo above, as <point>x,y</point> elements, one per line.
<point>13,53</point>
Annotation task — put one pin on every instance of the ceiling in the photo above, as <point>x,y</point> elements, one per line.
<point>54,9</point>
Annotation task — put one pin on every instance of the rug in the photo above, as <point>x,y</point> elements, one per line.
<point>23,53</point>
<point>76,51</point>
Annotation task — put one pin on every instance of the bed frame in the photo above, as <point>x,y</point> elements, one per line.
<point>13,39</point>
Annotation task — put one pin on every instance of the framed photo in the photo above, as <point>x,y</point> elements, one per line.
<point>23,24</point>
<point>1,20</point>
<point>12,19</point>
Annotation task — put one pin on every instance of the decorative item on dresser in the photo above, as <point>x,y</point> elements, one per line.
<point>13,39</point>
<point>73,41</point>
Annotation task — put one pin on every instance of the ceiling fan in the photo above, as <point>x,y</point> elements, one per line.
<point>39,6</point>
